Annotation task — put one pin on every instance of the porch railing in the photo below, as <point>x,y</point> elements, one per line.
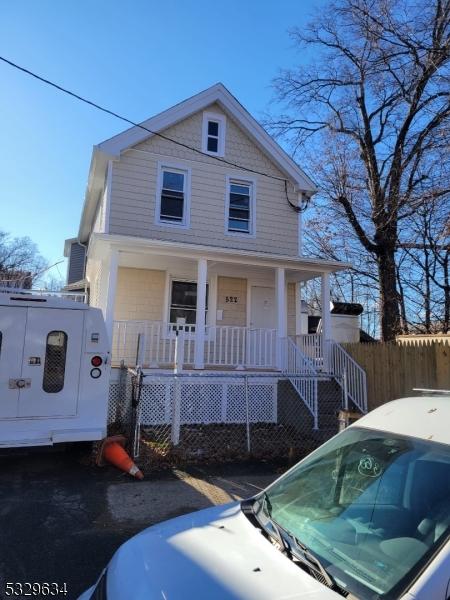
<point>349,375</point>
<point>159,344</point>
<point>156,344</point>
<point>302,375</point>
<point>240,347</point>
<point>329,357</point>
<point>311,345</point>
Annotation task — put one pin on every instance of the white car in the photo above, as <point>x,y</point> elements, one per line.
<point>366,515</point>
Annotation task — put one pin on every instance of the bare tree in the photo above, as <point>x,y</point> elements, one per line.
<point>20,261</point>
<point>377,93</point>
<point>428,252</point>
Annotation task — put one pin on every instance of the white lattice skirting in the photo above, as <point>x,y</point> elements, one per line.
<point>214,401</point>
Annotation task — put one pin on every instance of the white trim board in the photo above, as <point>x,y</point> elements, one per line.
<point>218,93</point>
<point>222,122</point>
<point>238,178</point>
<point>194,251</point>
<point>186,171</point>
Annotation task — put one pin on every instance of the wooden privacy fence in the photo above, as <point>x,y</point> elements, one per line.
<point>393,370</point>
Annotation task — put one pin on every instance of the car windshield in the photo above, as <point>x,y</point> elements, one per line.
<point>372,507</point>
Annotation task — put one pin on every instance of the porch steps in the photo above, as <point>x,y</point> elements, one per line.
<point>293,411</point>
<point>330,402</point>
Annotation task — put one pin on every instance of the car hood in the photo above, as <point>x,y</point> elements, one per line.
<point>214,553</point>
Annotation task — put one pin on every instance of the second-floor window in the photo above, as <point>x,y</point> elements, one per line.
<point>240,207</point>
<point>173,196</point>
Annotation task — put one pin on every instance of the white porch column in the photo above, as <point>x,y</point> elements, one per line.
<point>110,299</point>
<point>281,302</point>
<point>298,309</point>
<point>326,316</point>
<point>200,320</point>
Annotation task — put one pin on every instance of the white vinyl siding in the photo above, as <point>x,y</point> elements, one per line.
<point>140,294</point>
<point>135,181</point>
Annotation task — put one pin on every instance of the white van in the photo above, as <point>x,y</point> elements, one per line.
<point>366,516</point>
<point>54,370</point>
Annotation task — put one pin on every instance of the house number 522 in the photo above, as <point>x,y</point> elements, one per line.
<point>232,299</point>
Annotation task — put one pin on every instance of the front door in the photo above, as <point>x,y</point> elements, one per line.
<point>262,337</point>
<point>263,310</point>
<point>51,362</point>
<point>12,333</point>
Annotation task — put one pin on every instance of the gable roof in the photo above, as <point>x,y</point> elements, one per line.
<point>218,93</point>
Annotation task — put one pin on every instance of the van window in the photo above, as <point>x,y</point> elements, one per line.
<point>55,362</point>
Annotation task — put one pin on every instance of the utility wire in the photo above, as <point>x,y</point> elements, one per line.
<point>130,122</point>
<point>156,133</point>
<point>31,274</point>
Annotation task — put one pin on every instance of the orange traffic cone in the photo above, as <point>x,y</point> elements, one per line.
<point>112,450</point>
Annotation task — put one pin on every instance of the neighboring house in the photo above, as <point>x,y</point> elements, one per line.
<point>201,238</point>
<point>76,266</point>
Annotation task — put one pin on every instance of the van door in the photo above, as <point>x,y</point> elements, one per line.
<point>12,333</point>
<point>51,362</point>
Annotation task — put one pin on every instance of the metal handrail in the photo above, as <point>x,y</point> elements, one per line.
<point>40,292</point>
<point>345,369</point>
<point>305,376</point>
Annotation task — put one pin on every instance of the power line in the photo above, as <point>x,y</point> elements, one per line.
<point>296,208</point>
<point>130,122</point>
<point>31,274</point>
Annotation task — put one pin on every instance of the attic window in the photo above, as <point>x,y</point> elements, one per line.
<point>212,143</point>
<point>213,134</point>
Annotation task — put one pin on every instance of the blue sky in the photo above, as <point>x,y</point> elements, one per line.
<point>137,58</point>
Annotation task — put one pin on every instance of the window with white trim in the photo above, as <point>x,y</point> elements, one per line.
<point>212,141</point>
<point>183,302</point>
<point>213,135</point>
<point>240,206</point>
<point>173,196</point>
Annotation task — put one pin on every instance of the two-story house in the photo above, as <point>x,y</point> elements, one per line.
<point>193,243</point>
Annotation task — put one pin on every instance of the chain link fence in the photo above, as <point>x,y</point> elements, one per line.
<point>189,417</point>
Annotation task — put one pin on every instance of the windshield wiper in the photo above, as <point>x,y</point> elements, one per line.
<point>278,534</point>
<point>289,544</point>
<point>304,555</point>
<point>253,507</point>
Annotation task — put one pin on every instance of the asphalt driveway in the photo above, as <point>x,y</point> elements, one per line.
<point>62,519</point>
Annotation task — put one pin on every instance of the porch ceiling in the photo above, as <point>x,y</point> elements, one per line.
<point>135,252</point>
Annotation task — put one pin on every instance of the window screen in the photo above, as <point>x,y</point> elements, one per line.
<point>172,197</point>
<point>55,362</point>
<point>239,207</point>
